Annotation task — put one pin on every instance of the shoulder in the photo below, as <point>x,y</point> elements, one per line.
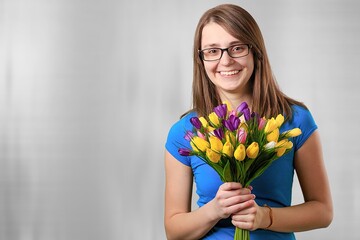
<point>301,116</point>
<point>176,140</point>
<point>183,124</point>
<point>303,119</point>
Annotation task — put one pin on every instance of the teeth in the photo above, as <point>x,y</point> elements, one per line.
<point>229,73</point>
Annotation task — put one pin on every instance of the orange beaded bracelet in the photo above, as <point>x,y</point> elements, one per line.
<point>270,215</point>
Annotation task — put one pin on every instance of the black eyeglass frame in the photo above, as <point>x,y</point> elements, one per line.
<point>201,52</point>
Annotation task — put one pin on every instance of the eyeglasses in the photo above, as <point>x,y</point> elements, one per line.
<point>235,51</point>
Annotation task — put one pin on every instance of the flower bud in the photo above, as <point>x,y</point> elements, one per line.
<point>273,136</point>
<point>293,132</point>
<point>214,119</point>
<point>253,150</point>
<point>241,135</point>
<point>215,144</point>
<point>270,125</point>
<point>213,156</point>
<point>184,152</point>
<point>228,149</point>
<point>204,122</point>
<point>240,152</point>
<point>198,143</point>
<point>279,120</point>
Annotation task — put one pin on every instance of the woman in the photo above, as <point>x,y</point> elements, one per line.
<point>231,64</point>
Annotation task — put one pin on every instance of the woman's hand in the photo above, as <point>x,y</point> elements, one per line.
<point>232,198</point>
<point>252,217</point>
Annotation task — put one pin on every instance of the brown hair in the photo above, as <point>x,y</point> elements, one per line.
<point>268,99</point>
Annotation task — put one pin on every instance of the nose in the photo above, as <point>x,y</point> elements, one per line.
<point>226,59</point>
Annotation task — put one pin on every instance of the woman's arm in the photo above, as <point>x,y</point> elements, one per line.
<point>180,222</point>
<point>317,209</point>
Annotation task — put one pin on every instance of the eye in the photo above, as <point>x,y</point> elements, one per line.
<point>212,51</point>
<point>238,48</point>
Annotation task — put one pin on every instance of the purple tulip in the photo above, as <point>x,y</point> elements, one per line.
<point>189,135</point>
<point>221,110</point>
<point>219,133</point>
<point>232,123</point>
<point>196,122</point>
<point>246,113</point>
<point>184,152</point>
<point>241,107</point>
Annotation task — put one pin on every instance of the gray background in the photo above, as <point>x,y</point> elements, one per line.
<point>89,89</point>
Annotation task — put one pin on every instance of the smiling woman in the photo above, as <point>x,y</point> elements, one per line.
<point>231,65</point>
<point>230,71</point>
<point>84,85</point>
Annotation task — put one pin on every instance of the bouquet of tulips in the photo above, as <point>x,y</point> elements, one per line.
<point>238,145</point>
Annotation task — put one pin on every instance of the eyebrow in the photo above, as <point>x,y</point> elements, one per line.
<point>215,45</point>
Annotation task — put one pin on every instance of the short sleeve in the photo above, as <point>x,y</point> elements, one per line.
<point>303,119</point>
<point>176,140</point>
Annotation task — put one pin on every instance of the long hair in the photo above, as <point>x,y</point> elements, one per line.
<point>268,99</point>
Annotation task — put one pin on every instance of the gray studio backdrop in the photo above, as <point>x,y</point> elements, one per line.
<point>89,89</point>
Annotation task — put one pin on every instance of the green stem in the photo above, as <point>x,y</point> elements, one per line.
<point>241,234</point>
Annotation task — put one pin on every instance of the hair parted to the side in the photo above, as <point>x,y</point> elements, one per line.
<point>268,99</point>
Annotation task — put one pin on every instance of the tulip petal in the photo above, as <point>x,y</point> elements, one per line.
<point>252,150</point>
<point>221,110</point>
<point>196,122</point>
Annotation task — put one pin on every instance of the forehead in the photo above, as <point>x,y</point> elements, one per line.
<point>214,35</point>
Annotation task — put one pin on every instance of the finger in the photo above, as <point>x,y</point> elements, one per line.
<point>245,211</point>
<point>243,217</point>
<point>230,186</point>
<point>221,194</point>
<point>236,208</point>
<point>238,199</point>
<point>249,225</point>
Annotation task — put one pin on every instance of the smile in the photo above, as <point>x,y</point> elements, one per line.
<point>230,73</point>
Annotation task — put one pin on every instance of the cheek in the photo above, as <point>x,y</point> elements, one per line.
<point>210,68</point>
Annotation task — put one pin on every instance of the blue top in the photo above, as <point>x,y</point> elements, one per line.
<point>273,187</point>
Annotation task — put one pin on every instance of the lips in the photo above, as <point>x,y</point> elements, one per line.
<point>229,73</point>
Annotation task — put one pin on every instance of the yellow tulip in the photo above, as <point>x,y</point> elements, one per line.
<point>228,149</point>
<point>230,137</point>
<point>270,125</point>
<point>214,119</point>
<point>253,150</point>
<point>240,152</point>
<point>273,136</point>
<point>210,129</point>
<point>194,148</point>
<point>282,146</point>
<point>279,120</point>
<point>213,156</point>
<point>215,144</point>
<point>285,143</point>
<point>198,143</point>
<point>293,132</point>
<point>204,122</point>
<point>228,105</point>
<point>280,152</point>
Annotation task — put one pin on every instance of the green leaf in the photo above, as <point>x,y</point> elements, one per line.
<point>239,171</point>
<point>218,169</point>
<point>248,163</point>
<point>227,173</point>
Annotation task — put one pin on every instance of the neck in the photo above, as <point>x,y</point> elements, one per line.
<point>235,99</point>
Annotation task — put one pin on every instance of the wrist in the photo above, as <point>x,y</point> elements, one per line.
<point>268,216</point>
<point>213,214</point>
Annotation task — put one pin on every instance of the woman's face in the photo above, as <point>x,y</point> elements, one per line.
<point>230,75</point>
